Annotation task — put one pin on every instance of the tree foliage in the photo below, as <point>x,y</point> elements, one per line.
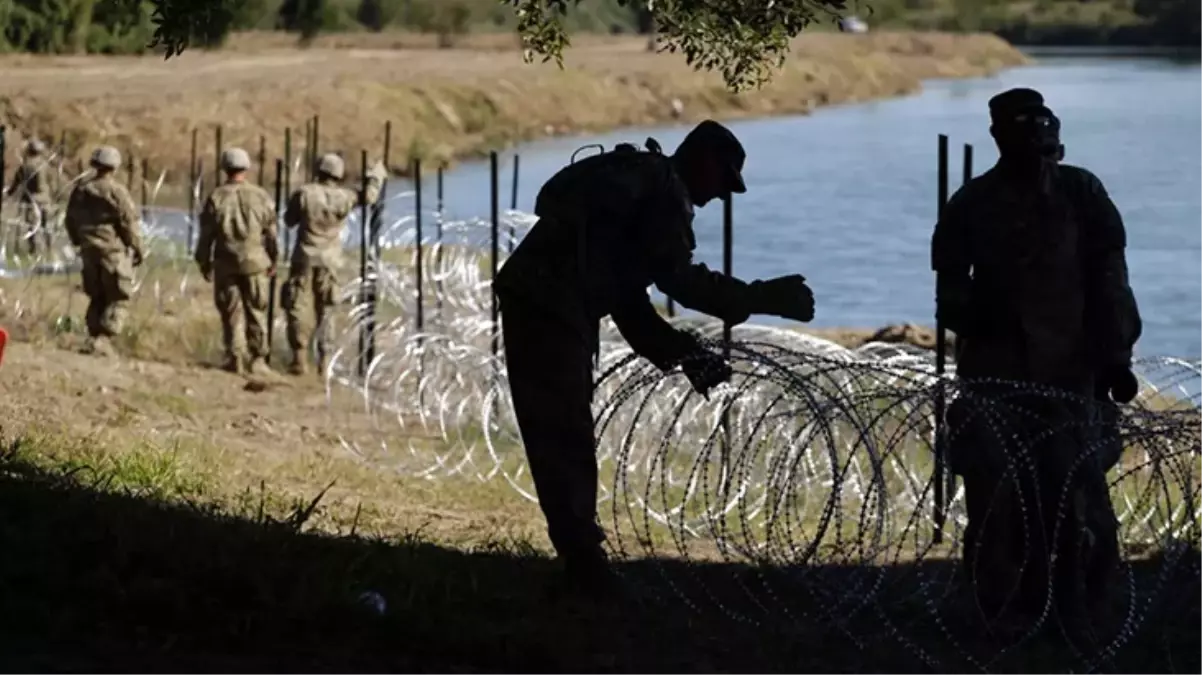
<point>743,39</point>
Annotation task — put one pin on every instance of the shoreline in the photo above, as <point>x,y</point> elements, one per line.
<point>444,105</point>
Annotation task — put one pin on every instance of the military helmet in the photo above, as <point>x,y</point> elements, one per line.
<point>34,147</point>
<point>106,156</point>
<point>235,159</point>
<point>331,165</point>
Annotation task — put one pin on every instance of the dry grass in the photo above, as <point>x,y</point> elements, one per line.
<point>442,103</point>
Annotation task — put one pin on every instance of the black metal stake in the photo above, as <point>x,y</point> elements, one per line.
<point>417,214</point>
<point>3,173</point>
<point>145,189</point>
<point>363,221</point>
<point>275,276</point>
<point>940,366</point>
<point>513,200</point>
<point>495,214</point>
<point>438,246</point>
<point>287,186</point>
<point>218,146</point>
<point>262,158</point>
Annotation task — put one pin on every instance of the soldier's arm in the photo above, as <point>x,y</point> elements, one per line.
<point>649,334</point>
<point>207,234</point>
<point>952,264</point>
<point>294,209</point>
<point>375,184</point>
<point>18,178</point>
<point>1111,313</point>
<point>71,220</point>
<point>271,234</point>
<point>129,221</point>
<point>669,244</point>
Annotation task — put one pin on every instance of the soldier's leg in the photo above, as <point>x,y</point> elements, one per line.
<point>91,273</point>
<point>117,281</point>
<point>550,378</point>
<point>254,289</point>
<point>29,227</point>
<point>228,300</point>
<point>293,299</point>
<point>325,296</point>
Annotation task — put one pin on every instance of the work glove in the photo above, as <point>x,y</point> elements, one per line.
<point>788,297</point>
<point>1118,384</point>
<point>206,271</point>
<point>705,370</point>
<point>137,258</point>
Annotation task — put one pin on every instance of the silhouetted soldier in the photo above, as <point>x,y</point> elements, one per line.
<point>609,226</point>
<point>1032,278</point>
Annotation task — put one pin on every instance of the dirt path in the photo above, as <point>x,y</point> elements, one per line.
<point>240,435</point>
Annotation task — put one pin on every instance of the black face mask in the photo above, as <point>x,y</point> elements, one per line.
<point>1030,137</point>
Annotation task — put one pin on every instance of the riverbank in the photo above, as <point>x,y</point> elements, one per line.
<point>443,104</point>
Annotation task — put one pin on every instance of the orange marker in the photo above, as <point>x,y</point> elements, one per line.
<point>3,341</point>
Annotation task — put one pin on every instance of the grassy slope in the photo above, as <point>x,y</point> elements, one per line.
<point>442,103</point>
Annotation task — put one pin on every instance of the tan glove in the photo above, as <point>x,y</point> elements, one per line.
<point>378,171</point>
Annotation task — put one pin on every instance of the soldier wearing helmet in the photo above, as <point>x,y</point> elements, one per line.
<point>103,224</point>
<point>319,210</point>
<point>237,249</point>
<point>31,185</point>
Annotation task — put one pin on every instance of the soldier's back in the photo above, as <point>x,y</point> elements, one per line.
<point>95,209</point>
<point>242,213</point>
<point>35,181</point>
<point>324,210</point>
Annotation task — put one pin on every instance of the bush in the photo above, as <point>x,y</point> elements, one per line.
<point>376,15</point>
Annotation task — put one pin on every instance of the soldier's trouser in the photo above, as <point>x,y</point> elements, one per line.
<point>315,288</point>
<point>550,378</point>
<point>1039,510</point>
<point>107,281</point>
<point>241,301</point>
<point>34,234</point>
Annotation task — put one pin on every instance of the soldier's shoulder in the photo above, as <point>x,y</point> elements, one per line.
<point>256,190</point>
<point>1080,176</point>
<point>975,192</point>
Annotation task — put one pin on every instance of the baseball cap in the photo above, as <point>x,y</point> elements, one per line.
<point>725,147</point>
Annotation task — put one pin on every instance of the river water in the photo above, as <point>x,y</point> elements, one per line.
<point>847,195</point>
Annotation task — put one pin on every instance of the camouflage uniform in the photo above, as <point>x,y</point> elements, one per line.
<point>102,222</point>
<point>609,226</point>
<point>1033,281</point>
<point>238,246</point>
<point>34,191</point>
<point>319,210</point>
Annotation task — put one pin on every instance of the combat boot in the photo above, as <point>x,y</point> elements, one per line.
<point>101,346</point>
<point>259,367</point>
<point>299,365</point>
<point>233,364</point>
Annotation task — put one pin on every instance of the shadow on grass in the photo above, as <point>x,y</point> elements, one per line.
<point>97,574</point>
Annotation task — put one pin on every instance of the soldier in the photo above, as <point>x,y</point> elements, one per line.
<point>32,187</point>
<point>237,250</point>
<point>1032,278</point>
<point>319,210</point>
<point>609,226</point>
<point>103,225</point>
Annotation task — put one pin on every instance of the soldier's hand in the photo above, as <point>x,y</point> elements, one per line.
<point>1118,384</point>
<point>705,370</point>
<point>378,170</point>
<point>206,271</point>
<point>788,297</point>
<point>137,258</point>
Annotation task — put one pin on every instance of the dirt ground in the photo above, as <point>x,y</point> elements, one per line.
<point>245,433</point>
